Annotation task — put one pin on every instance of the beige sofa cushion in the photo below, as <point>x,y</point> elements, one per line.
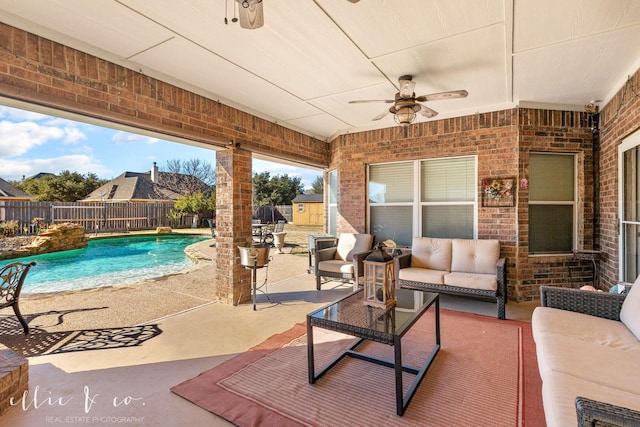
<point>630,312</point>
<point>475,256</point>
<point>431,253</point>
<point>575,343</point>
<point>485,282</point>
<point>350,244</point>
<point>559,392</point>
<point>583,327</point>
<point>600,364</point>
<point>423,275</point>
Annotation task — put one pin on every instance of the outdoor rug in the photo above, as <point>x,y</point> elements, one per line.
<point>484,375</point>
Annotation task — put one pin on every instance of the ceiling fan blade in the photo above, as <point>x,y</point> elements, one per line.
<point>427,112</point>
<point>451,94</point>
<point>251,14</point>
<point>354,1</point>
<point>362,101</point>
<point>381,115</point>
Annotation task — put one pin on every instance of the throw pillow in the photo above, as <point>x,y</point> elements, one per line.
<point>630,312</point>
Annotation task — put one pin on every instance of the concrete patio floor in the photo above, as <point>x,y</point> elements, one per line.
<point>129,385</point>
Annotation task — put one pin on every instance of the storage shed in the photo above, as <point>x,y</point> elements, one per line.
<point>308,209</point>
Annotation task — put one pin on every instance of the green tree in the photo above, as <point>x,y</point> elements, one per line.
<point>276,190</point>
<point>317,187</point>
<point>194,204</point>
<point>66,187</point>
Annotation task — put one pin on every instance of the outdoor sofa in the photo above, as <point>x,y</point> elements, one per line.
<point>466,267</point>
<point>588,350</point>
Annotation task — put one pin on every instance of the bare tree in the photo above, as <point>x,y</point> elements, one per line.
<point>189,176</point>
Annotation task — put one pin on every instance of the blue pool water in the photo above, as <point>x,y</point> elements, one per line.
<point>106,262</point>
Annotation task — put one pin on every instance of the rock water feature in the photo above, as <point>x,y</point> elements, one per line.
<point>59,237</point>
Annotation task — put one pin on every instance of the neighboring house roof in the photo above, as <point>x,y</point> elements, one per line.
<point>41,175</point>
<point>8,191</point>
<point>309,198</point>
<point>129,187</point>
<point>141,187</point>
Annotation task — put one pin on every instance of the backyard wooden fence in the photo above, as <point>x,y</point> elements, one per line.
<point>99,217</point>
<point>94,217</point>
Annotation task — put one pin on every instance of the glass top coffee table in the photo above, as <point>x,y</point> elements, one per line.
<point>351,316</point>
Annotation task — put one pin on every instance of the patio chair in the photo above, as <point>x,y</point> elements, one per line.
<point>11,280</point>
<point>344,260</point>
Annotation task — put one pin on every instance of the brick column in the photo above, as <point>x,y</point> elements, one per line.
<point>233,224</point>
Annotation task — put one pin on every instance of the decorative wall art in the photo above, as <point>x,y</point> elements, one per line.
<point>497,192</point>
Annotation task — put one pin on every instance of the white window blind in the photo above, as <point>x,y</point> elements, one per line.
<point>391,182</point>
<point>448,180</point>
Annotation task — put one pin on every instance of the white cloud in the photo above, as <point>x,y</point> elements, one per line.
<point>73,135</point>
<point>16,115</point>
<point>18,138</point>
<point>121,137</point>
<point>16,169</point>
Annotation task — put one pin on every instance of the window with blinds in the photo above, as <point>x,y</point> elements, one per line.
<point>448,197</point>
<point>391,199</point>
<point>435,198</point>
<point>551,203</point>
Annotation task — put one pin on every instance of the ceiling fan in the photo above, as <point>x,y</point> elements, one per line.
<point>251,14</point>
<point>406,104</point>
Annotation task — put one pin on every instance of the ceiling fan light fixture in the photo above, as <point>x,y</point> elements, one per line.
<point>404,116</point>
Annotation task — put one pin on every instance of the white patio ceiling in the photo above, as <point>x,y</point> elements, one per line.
<point>313,56</point>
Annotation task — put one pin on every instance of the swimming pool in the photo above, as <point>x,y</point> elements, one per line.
<point>110,261</point>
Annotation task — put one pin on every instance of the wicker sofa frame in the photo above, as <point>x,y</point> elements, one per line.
<point>499,295</point>
<point>606,305</point>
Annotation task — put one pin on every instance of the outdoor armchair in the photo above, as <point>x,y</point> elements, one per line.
<point>11,280</point>
<point>345,259</point>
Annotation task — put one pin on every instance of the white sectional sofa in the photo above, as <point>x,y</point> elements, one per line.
<point>467,267</point>
<point>588,351</point>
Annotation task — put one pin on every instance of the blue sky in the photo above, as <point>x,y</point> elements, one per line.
<point>31,143</point>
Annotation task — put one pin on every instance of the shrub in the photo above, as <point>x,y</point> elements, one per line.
<point>9,228</point>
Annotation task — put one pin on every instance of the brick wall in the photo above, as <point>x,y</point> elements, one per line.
<point>618,120</point>
<point>36,70</point>
<point>502,141</point>
<point>555,132</point>
<point>233,224</point>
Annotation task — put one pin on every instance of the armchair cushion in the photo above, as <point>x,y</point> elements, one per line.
<point>350,244</point>
<point>337,266</point>
<point>630,311</point>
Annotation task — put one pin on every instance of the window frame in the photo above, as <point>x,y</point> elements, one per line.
<point>573,203</point>
<point>417,204</point>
